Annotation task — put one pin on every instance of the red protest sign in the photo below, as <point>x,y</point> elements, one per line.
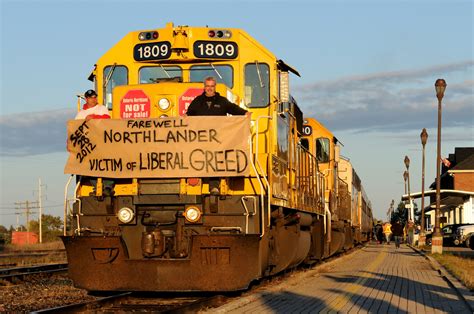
<point>186,98</point>
<point>135,104</point>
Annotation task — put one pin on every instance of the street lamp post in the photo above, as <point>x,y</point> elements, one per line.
<point>411,216</point>
<point>391,209</point>
<point>437,240</point>
<point>405,178</point>
<point>422,238</point>
<point>407,164</point>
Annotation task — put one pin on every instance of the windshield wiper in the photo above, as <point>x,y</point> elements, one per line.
<point>164,70</point>
<point>215,70</point>
<point>107,79</point>
<point>259,75</point>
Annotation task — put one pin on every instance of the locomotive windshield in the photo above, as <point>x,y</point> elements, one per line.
<point>223,74</point>
<point>153,74</point>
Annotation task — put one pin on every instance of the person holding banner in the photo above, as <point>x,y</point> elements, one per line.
<point>92,109</point>
<point>211,103</point>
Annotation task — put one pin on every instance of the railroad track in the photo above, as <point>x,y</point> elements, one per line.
<point>11,274</point>
<point>38,257</point>
<point>142,303</point>
<point>177,302</point>
<point>31,253</point>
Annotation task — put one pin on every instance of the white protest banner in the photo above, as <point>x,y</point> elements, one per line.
<point>203,146</point>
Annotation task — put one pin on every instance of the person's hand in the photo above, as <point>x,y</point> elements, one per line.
<point>248,114</point>
<point>88,117</point>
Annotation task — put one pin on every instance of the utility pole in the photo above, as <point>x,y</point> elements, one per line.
<point>40,202</point>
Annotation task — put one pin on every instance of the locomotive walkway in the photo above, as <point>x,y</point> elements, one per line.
<point>375,279</point>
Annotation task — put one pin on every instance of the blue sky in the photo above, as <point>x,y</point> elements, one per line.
<point>368,69</point>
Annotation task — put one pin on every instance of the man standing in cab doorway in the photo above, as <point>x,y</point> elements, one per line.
<point>210,103</point>
<point>92,109</point>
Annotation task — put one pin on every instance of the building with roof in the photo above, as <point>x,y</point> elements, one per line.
<point>456,192</point>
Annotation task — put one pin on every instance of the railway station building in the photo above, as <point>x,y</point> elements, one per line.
<point>456,192</point>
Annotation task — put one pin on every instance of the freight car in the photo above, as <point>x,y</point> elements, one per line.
<point>154,210</point>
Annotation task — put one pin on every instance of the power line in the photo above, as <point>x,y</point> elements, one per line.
<point>16,208</point>
<point>27,206</point>
<point>44,206</point>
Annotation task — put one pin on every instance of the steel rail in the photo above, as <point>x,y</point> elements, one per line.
<point>22,272</point>
<point>17,253</point>
<point>130,302</point>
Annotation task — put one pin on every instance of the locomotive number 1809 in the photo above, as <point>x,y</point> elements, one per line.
<point>152,51</point>
<point>215,49</point>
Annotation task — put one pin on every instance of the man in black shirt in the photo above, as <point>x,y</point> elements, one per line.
<point>210,103</point>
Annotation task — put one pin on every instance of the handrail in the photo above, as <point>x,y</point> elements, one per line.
<point>216,229</point>
<point>260,184</point>
<point>66,188</point>
<point>328,224</point>
<point>79,208</point>
<point>264,177</point>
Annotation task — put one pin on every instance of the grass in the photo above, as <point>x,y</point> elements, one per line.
<point>461,267</point>
<point>56,245</point>
<point>24,255</point>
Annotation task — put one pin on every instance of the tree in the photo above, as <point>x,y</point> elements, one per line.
<point>52,227</point>
<point>4,236</point>
<point>400,213</point>
<point>3,229</point>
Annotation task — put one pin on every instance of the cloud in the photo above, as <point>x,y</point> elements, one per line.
<point>391,101</point>
<point>380,102</point>
<point>34,133</point>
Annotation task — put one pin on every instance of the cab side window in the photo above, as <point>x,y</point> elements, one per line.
<point>257,85</point>
<point>114,75</point>
<point>322,149</point>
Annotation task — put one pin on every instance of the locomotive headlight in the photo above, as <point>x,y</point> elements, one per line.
<point>125,215</point>
<point>164,104</point>
<point>192,214</point>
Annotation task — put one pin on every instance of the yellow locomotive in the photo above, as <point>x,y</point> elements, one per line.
<point>348,210</point>
<point>173,221</point>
